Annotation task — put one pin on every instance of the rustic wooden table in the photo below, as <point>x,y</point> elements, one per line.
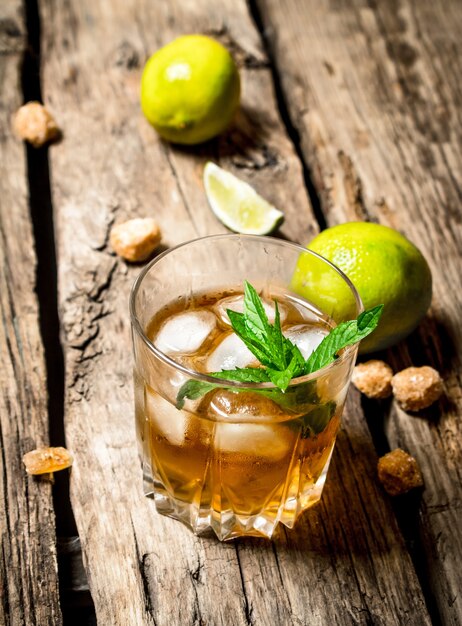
<point>350,110</point>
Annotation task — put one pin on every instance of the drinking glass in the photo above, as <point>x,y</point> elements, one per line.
<point>245,456</point>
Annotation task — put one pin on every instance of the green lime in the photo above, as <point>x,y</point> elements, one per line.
<point>385,267</point>
<point>190,89</point>
<point>237,205</point>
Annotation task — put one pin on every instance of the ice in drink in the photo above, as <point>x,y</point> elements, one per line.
<point>236,459</point>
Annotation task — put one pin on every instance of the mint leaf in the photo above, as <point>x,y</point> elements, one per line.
<point>282,379</point>
<point>276,335</point>
<point>255,316</point>
<point>288,353</point>
<point>244,375</point>
<point>296,399</point>
<point>258,328</point>
<point>193,389</point>
<point>369,319</point>
<point>264,340</point>
<point>316,420</point>
<point>257,347</point>
<point>345,334</point>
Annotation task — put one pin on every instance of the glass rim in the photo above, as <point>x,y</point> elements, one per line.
<point>136,326</point>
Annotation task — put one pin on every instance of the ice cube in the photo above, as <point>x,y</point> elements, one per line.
<point>307,338</point>
<point>229,354</point>
<point>166,420</point>
<point>186,332</point>
<point>236,303</point>
<point>273,442</point>
<point>242,405</point>
<point>242,424</point>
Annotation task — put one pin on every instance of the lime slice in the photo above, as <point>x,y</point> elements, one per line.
<point>237,205</point>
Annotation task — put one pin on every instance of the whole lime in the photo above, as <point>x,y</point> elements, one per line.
<point>384,266</point>
<point>190,89</point>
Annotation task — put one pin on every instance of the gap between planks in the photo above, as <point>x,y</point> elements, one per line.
<point>74,590</point>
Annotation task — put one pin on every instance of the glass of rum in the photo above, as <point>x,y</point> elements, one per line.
<point>241,457</point>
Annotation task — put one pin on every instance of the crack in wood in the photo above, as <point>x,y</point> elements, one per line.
<point>362,594</point>
<point>247,604</point>
<point>12,36</point>
<point>99,290</point>
<point>269,159</point>
<point>196,573</point>
<point>195,580</point>
<point>295,620</point>
<point>126,55</point>
<point>5,490</point>
<point>87,305</point>
<point>143,562</point>
<point>243,58</point>
<point>41,213</point>
<point>353,189</point>
<point>283,109</point>
<point>28,559</point>
<point>104,245</point>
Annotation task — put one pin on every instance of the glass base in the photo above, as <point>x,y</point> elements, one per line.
<point>227,524</point>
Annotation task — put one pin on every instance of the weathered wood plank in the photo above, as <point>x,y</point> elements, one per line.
<point>142,568</point>
<point>373,89</point>
<point>28,568</point>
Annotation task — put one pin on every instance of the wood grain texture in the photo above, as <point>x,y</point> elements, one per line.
<point>373,90</point>
<point>28,567</point>
<point>346,563</point>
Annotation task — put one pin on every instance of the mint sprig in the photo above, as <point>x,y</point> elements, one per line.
<point>281,360</point>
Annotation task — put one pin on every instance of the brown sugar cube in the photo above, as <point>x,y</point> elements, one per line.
<point>46,460</point>
<point>35,124</point>
<point>373,379</point>
<point>416,388</point>
<point>136,239</point>
<point>399,473</point>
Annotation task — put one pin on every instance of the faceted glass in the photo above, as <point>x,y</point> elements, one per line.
<point>244,456</point>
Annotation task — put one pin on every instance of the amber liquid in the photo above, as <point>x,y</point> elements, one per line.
<point>237,460</point>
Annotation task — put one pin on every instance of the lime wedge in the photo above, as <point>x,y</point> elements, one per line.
<point>237,205</point>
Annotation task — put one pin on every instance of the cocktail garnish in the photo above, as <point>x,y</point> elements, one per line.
<point>280,359</point>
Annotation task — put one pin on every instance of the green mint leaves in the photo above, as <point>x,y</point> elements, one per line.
<point>281,360</point>
<point>345,334</point>
<point>264,340</point>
